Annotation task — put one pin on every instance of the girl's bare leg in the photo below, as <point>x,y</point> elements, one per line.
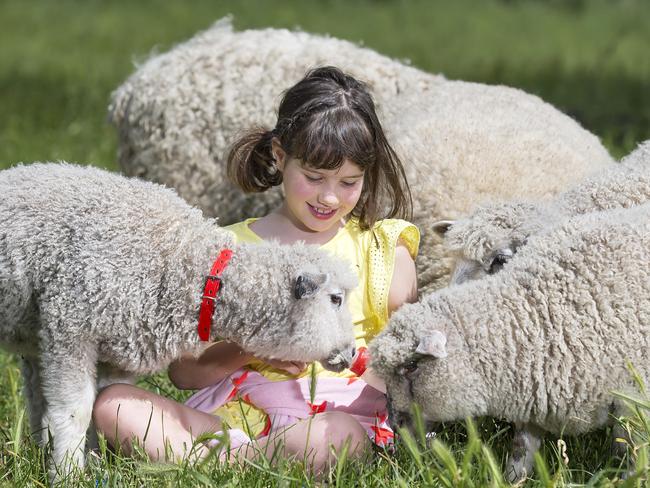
<point>124,413</point>
<point>165,429</point>
<point>309,440</point>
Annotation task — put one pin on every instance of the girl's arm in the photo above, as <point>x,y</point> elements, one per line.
<point>404,286</point>
<point>217,362</point>
<point>403,289</point>
<point>214,364</point>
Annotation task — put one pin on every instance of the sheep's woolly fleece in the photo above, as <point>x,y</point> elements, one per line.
<point>545,341</point>
<point>99,269</point>
<point>461,143</point>
<point>499,230</point>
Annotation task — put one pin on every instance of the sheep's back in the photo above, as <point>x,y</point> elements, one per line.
<point>468,144</point>
<point>179,112</point>
<point>111,258</point>
<point>588,284</point>
<point>621,186</point>
<point>462,144</point>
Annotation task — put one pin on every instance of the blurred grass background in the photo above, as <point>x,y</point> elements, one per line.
<point>59,60</point>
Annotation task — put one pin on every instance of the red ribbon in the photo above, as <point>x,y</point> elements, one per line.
<point>317,408</point>
<point>360,362</point>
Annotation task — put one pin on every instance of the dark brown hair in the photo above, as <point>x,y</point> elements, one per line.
<point>324,119</point>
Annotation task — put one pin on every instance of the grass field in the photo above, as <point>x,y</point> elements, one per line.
<point>60,60</point>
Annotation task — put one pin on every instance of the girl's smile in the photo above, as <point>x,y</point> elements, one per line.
<point>322,213</point>
<point>317,200</point>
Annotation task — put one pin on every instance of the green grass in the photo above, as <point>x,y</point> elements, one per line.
<point>60,60</point>
<point>468,455</point>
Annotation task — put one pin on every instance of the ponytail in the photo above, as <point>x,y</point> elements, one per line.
<point>250,162</point>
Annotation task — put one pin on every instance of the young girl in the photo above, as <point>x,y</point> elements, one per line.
<point>339,176</point>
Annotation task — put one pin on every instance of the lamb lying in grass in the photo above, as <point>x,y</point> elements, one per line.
<point>483,242</point>
<point>541,344</point>
<point>104,275</point>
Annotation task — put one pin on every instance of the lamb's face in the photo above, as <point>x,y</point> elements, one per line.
<point>428,366</point>
<point>320,320</point>
<point>484,242</point>
<point>296,307</point>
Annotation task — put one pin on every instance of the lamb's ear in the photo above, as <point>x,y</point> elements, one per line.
<point>442,226</point>
<point>434,344</point>
<point>307,284</point>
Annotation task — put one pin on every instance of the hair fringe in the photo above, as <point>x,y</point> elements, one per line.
<point>324,119</point>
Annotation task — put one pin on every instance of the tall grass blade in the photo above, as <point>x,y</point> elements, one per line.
<point>412,446</point>
<point>414,451</point>
<point>17,434</point>
<point>341,459</point>
<point>632,400</point>
<point>418,424</point>
<point>472,448</point>
<point>494,469</point>
<point>542,471</point>
<point>445,456</point>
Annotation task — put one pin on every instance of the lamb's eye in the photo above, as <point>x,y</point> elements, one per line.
<point>336,299</point>
<point>408,368</point>
<point>497,263</point>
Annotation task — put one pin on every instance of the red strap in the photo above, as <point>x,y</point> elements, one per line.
<point>210,290</point>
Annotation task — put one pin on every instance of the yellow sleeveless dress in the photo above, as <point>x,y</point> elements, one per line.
<point>372,254</point>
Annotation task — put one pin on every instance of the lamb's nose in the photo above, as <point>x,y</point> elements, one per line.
<point>353,352</point>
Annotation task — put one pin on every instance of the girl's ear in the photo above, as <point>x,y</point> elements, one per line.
<point>279,155</point>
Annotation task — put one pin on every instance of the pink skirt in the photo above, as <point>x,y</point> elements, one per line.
<point>287,402</point>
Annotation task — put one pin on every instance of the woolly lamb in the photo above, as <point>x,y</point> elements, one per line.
<point>461,143</point>
<point>101,275</point>
<point>541,344</point>
<point>486,240</point>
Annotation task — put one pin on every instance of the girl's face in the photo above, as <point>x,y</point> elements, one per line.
<point>319,198</point>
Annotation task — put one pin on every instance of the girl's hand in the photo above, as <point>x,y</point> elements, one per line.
<point>218,361</point>
<point>373,380</point>
<point>291,367</point>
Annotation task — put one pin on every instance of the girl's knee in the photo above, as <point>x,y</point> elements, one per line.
<point>341,427</point>
<point>340,430</point>
<point>108,401</point>
<point>332,433</point>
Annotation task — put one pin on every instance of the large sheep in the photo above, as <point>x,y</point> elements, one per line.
<point>461,143</point>
<point>104,275</point>
<point>483,242</point>
<point>541,344</point>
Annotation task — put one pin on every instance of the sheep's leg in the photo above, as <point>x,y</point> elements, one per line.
<point>621,438</point>
<point>33,391</point>
<point>68,379</point>
<point>107,375</point>
<point>526,442</point>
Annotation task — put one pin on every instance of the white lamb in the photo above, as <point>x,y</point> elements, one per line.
<point>102,277</point>
<point>461,143</point>
<point>541,344</point>
<point>483,242</point>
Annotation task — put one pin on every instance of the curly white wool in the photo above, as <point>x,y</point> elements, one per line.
<point>101,278</point>
<point>542,344</point>
<point>461,143</point>
<point>484,241</point>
